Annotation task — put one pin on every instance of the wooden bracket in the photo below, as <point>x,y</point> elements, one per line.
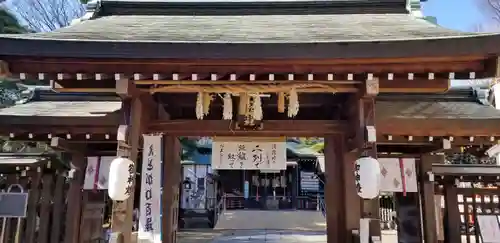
<point>123,149</point>
<point>62,144</point>
<point>126,88</point>
<point>492,67</point>
<point>371,88</point>
<point>122,133</point>
<point>258,125</point>
<point>4,69</point>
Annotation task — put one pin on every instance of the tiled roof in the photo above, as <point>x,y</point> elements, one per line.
<point>277,29</point>
<point>435,110</point>
<point>460,103</point>
<point>49,108</point>
<point>63,109</point>
<point>253,29</point>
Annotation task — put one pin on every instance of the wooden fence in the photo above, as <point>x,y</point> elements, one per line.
<point>464,192</point>
<point>45,183</point>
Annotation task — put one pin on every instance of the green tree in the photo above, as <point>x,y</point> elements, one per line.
<point>9,23</point>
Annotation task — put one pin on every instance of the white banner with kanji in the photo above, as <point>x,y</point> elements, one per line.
<point>150,208</point>
<point>97,172</point>
<point>398,175</point>
<point>249,153</point>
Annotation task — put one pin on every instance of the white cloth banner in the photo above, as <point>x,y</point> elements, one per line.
<point>247,155</point>
<point>97,172</point>
<point>489,228</point>
<point>151,181</point>
<point>398,175</point>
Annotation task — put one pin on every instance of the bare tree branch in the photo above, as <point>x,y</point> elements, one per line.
<point>491,14</point>
<point>47,15</point>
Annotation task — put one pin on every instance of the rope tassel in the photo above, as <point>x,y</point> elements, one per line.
<point>257,108</point>
<point>281,102</point>
<point>227,113</point>
<point>207,99</point>
<point>199,106</point>
<point>293,103</point>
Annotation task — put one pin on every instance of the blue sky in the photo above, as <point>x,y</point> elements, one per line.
<point>454,14</point>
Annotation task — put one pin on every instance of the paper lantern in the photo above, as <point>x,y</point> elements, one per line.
<point>367,174</point>
<point>121,176</point>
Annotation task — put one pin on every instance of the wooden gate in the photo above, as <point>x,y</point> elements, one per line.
<point>465,192</point>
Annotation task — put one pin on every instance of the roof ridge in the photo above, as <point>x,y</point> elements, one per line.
<point>242,7</point>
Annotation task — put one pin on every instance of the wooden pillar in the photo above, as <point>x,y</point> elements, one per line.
<point>427,196</point>
<point>334,189</point>
<point>170,196</point>
<point>363,115</point>
<point>78,163</point>
<point>352,200</point>
<point>74,196</point>
<point>57,208</point>
<point>370,208</point>
<point>452,213</point>
<point>135,117</point>
<point>408,212</point>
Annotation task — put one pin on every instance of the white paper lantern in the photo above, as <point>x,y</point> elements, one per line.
<point>121,175</point>
<point>367,174</point>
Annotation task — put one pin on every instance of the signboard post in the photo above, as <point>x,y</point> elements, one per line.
<point>13,205</point>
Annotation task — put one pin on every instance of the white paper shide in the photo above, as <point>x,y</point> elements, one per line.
<point>149,219</point>
<point>249,155</point>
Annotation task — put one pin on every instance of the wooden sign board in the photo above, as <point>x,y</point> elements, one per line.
<point>249,154</point>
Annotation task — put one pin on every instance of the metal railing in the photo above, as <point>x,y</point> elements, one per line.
<point>283,202</point>
<point>387,211</point>
<point>219,209</point>
<point>321,205</point>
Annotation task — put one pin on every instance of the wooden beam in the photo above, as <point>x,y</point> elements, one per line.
<point>123,89</point>
<point>419,85</point>
<point>228,128</point>
<point>374,65</point>
<point>469,170</point>
<point>439,127</point>
<point>305,99</point>
<point>435,141</point>
<point>4,69</point>
<point>58,143</point>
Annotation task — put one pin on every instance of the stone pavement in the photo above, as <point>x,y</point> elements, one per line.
<point>263,236</point>
<point>266,226</point>
<point>271,236</point>
<point>301,220</point>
